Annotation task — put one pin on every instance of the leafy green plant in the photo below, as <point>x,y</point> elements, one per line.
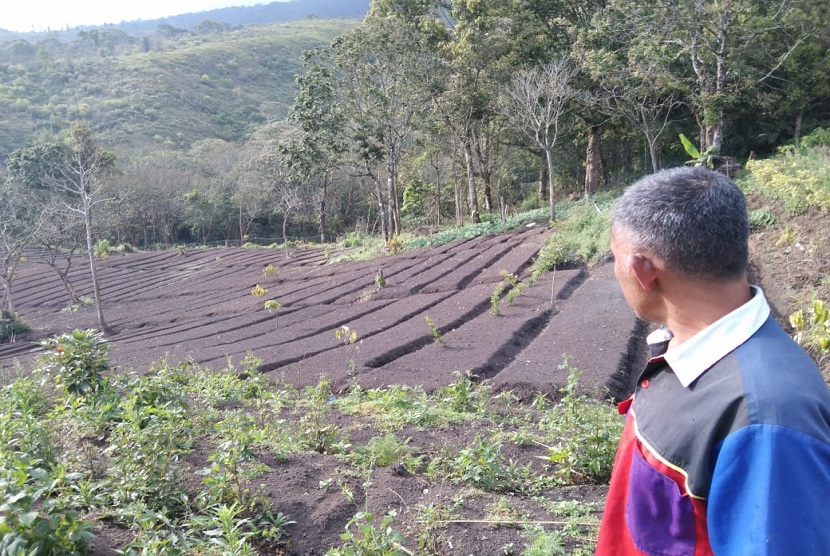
<point>799,180</point>
<point>812,331</point>
<point>464,394</point>
<point>381,451</point>
<point>480,465</point>
<point>363,538</point>
<point>706,158</point>
<point>10,326</point>
<point>316,433</point>
<point>515,289</point>
<point>102,249</point>
<point>258,291</point>
<point>582,236</point>
<point>380,281</point>
<point>434,331</point>
<point>33,519</point>
<point>761,218</point>
<point>77,361</point>
<point>583,433</point>
<point>269,271</point>
<point>229,473</point>
<point>272,305</point>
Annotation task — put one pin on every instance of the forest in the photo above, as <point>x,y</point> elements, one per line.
<point>424,113</point>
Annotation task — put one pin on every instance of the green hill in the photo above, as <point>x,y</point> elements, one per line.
<point>138,92</point>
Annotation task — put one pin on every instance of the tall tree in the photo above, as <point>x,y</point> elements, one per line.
<point>77,171</point>
<point>540,99</point>
<point>727,44</point>
<point>318,149</point>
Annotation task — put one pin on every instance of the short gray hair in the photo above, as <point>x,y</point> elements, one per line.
<point>693,218</point>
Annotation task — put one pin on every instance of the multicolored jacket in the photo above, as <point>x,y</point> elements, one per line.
<point>726,448</point>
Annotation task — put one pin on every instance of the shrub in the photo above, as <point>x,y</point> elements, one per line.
<point>799,179</point>
<point>583,236</point>
<point>77,361</point>
<point>10,326</point>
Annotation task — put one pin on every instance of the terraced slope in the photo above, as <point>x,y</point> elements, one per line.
<point>198,306</point>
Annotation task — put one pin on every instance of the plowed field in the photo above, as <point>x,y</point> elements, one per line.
<point>198,306</point>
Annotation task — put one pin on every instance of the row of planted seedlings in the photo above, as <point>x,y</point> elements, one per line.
<point>172,456</point>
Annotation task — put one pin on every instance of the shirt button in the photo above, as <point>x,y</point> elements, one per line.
<point>645,383</point>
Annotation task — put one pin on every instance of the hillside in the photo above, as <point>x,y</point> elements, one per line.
<point>171,92</point>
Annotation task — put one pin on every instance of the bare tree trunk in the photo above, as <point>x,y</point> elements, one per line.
<point>799,119</point>
<point>592,162</point>
<point>323,208</point>
<point>93,272</point>
<point>471,182</point>
<point>551,192</point>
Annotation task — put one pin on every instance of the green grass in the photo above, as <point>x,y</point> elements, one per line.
<point>116,451</point>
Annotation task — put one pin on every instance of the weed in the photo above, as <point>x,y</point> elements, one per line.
<point>515,289</point>
<point>812,332</point>
<point>543,543</point>
<point>480,465</point>
<point>315,432</point>
<point>464,395</point>
<point>761,218</point>
<point>381,451</point>
<point>380,281</point>
<point>272,305</point>
<point>258,291</point>
<point>229,473</point>
<point>34,518</point>
<point>270,271</point>
<point>429,529</point>
<point>363,538</point>
<point>434,331</point>
<point>583,435</point>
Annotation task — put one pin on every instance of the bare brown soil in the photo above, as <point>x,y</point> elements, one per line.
<point>198,306</point>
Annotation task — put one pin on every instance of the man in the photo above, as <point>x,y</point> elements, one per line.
<point>726,448</point>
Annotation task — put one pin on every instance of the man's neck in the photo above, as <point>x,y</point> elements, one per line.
<point>697,305</point>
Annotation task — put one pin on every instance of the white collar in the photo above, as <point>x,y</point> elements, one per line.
<point>693,357</point>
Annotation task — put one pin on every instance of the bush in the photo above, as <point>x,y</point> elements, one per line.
<point>77,361</point>
<point>798,179</point>
<point>10,326</point>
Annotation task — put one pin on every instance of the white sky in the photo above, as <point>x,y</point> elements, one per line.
<point>43,15</point>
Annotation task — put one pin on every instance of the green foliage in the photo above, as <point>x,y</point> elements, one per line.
<point>258,291</point>
<point>227,477</point>
<point>34,518</point>
<point>10,326</point>
<point>77,361</point>
<point>584,235</point>
<point>516,289</point>
<point>761,218</point>
<point>583,435</point>
<point>464,395</point>
<point>434,331</point>
<point>316,433</point>
<point>481,465</point>
<point>487,227</point>
<point>812,332</point>
<point>706,158</point>
<point>272,305</point>
<point>364,538</point>
<point>102,249</point>
<point>269,271</point>
<point>381,451</point>
<point>819,137</point>
<point>799,179</point>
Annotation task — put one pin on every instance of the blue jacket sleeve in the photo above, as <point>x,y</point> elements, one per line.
<point>769,493</point>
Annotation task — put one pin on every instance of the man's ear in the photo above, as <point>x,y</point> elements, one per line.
<point>644,270</point>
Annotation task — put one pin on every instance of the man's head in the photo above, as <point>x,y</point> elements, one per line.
<point>675,231</point>
<point>691,218</point>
